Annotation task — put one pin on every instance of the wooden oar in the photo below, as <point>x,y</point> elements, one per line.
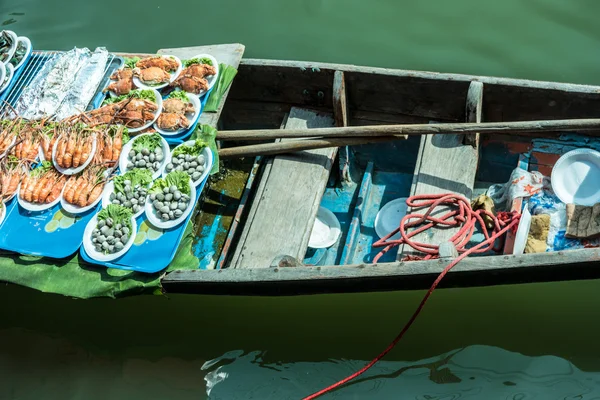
<point>520,127</point>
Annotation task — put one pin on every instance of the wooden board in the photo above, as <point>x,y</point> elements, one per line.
<point>444,165</point>
<point>283,212</point>
<point>230,54</point>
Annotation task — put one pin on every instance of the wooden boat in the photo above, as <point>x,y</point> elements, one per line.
<point>260,243</point>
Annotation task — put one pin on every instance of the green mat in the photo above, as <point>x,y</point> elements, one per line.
<point>75,278</point>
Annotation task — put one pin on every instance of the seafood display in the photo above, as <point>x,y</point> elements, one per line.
<point>58,81</point>
<point>135,110</point>
<point>146,152</point>
<point>131,189</point>
<point>188,158</point>
<point>12,171</point>
<point>85,189</point>
<point>113,230</point>
<point>8,45</point>
<point>170,196</point>
<point>193,79</point>
<point>42,185</point>
<point>74,147</point>
<point>156,71</point>
<point>175,111</point>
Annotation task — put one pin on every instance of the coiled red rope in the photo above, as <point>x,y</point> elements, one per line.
<point>460,213</point>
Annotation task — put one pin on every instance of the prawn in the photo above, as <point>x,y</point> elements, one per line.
<point>82,194</point>
<point>117,145</point>
<point>86,151</point>
<point>70,148</point>
<point>108,147</point>
<point>60,150</point>
<point>45,189</point>
<point>56,189</point>
<point>71,189</point>
<point>96,192</point>
<point>37,189</point>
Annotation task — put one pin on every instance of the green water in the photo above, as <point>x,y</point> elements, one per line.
<point>154,347</point>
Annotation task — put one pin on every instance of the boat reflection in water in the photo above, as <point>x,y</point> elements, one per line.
<point>473,372</point>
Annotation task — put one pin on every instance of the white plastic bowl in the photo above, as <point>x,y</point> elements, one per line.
<point>28,49</point>
<point>124,157</point>
<point>137,82</point>
<point>75,210</point>
<point>89,248</point>
<point>13,47</point>
<point>10,71</point>
<point>110,189</point>
<point>389,216</point>
<point>576,176</point>
<point>156,221</point>
<point>72,171</point>
<point>191,118</point>
<point>207,165</point>
<point>211,79</point>
<point>36,207</point>
<point>156,114</point>
<point>325,231</point>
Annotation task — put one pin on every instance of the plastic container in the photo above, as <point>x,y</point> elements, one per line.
<point>28,48</point>
<point>124,157</point>
<point>207,165</point>
<point>576,177</point>
<point>389,216</point>
<point>153,218</point>
<point>89,248</point>
<point>76,210</point>
<point>137,82</point>
<point>191,118</point>
<point>8,56</point>
<point>326,230</point>
<point>36,207</point>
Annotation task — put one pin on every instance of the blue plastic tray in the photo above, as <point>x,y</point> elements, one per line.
<point>50,233</point>
<point>153,248</point>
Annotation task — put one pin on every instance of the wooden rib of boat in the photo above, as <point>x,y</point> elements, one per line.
<point>259,227</point>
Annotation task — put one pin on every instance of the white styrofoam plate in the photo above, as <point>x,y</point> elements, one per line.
<point>156,114</point>
<point>72,171</point>
<point>36,207</point>
<point>192,118</point>
<point>576,177</point>
<point>522,232</point>
<point>151,213</point>
<point>10,71</point>
<point>124,157</point>
<point>207,165</point>
<point>326,230</point>
<point>98,256</point>
<point>137,82</point>
<point>5,60</point>
<point>389,216</point>
<point>28,48</point>
<point>211,79</point>
<point>74,209</point>
<point>110,189</point>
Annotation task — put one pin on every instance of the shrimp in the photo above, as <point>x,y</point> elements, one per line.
<point>108,147</point>
<point>96,192</point>
<point>56,189</point>
<point>47,187</point>
<point>82,194</point>
<point>71,189</point>
<point>68,156</point>
<point>117,145</point>
<point>77,152</point>
<point>37,189</point>
<point>87,148</point>
<point>27,194</point>
<point>60,150</point>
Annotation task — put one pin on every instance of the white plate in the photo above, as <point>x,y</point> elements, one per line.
<point>109,189</point>
<point>35,207</point>
<point>158,111</point>
<point>211,79</point>
<point>137,82</point>
<point>207,164</point>
<point>522,232</point>
<point>72,171</point>
<point>98,256</point>
<point>3,71</point>
<point>73,209</point>
<point>28,49</point>
<point>154,220</point>
<point>389,216</point>
<point>2,212</point>
<point>124,157</point>
<point>191,118</point>
<point>13,47</point>
<point>8,75</point>
<point>326,230</point>
<point>576,177</point>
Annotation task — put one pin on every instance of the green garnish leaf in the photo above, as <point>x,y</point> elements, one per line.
<point>208,135</point>
<point>194,150</point>
<point>226,75</point>
<point>149,142</point>
<point>192,61</point>
<point>137,93</point>
<point>130,62</point>
<point>179,94</point>
<point>137,176</point>
<point>177,178</point>
<point>119,214</point>
<point>44,167</point>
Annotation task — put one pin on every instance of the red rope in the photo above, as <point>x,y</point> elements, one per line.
<point>463,215</point>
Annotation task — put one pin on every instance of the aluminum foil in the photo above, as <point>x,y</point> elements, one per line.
<point>85,85</point>
<point>44,95</point>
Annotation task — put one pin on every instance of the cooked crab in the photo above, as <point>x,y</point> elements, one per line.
<point>134,119</point>
<point>139,105</point>
<point>178,106</point>
<point>172,121</point>
<point>191,84</point>
<point>164,63</point>
<point>123,82</point>
<point>199,70</point>
<point>152,75</point>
